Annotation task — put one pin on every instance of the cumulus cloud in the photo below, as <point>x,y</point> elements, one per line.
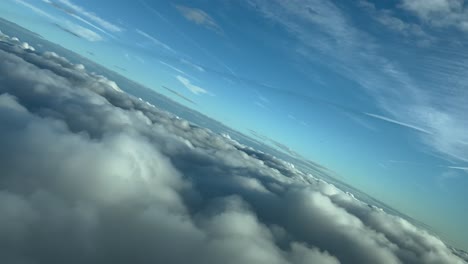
<point>93,175</point>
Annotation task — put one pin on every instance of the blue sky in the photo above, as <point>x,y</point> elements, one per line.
<point>376,91</point>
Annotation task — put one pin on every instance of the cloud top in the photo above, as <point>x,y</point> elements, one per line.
<point>93,175</point>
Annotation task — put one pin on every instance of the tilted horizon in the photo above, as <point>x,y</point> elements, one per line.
<point>233,131</point>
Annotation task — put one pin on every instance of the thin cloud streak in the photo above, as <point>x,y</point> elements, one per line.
<point>393,121</point>
<point>458,168</point>
<point>35,9</point>
<point>91,16</point>
<point>356,54</point>
<point>67,26</point>
<point>77,17</point>
<point>179,95</point>
<point>155,41</point>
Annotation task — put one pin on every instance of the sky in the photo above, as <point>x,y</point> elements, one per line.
<point>373,90</point>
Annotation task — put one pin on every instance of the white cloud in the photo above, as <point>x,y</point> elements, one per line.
<point>91,16</point>
<point>178,70</point>
<point>420,98</point>
<point>81,32</point>
<point>388,19</point>
<point>439,13</point>
<point>383,118</point>
<point>199,17</point>
<point>191,87</point>
<point>188,39</point>
<point>193,65</point>
<point>261,105</point>
<point>459,168</point>
<point>68,26</point>
<point>35,9</point>
<point>73,14</point>
<point>155,41</point>
<point>173,68</point>
<point>124,182</point>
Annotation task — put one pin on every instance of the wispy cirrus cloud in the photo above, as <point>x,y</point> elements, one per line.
<point>391,21</point>
<point>178,70</point>
<point>393,121</point>
<point>79,31</point>
<point>189,39</point>
<point>441,13</point>
<point>35,9</point>
<point>66,25</point>
<point>82,12</point>
<point>459,168</point>
<point>173,68</point>
<point>154,40</point>
<point>75,15</point>
<point>417,98</point>
<point>199,17</point>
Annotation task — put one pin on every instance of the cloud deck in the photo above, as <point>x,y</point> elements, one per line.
<point>93,175</point>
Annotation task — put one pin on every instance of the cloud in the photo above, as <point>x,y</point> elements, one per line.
<point>193,65</point>
<point>359,119</point>
<point>445,179</point>
<point>178,70</point>
<point>277,145</point>
<point>386,119</point>
<point>80,11</point>
<point>388,19</point>
<point>199,17</point>
<point>439,13</point>
<point>191,87</point>
<point>93,175</point>
<point>79,31</point>
<point>155,40</point>
<point>75,15</point>
<point>261,105</point>
<point>172,67</point>
<point>175,28</point>
<point>179,95</point>
<point>66,25</point>
<point>325,35</point>
<point>35,9</point>
<point>459,168</point>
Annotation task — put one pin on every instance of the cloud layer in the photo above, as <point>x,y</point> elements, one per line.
<point>93,175</point>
